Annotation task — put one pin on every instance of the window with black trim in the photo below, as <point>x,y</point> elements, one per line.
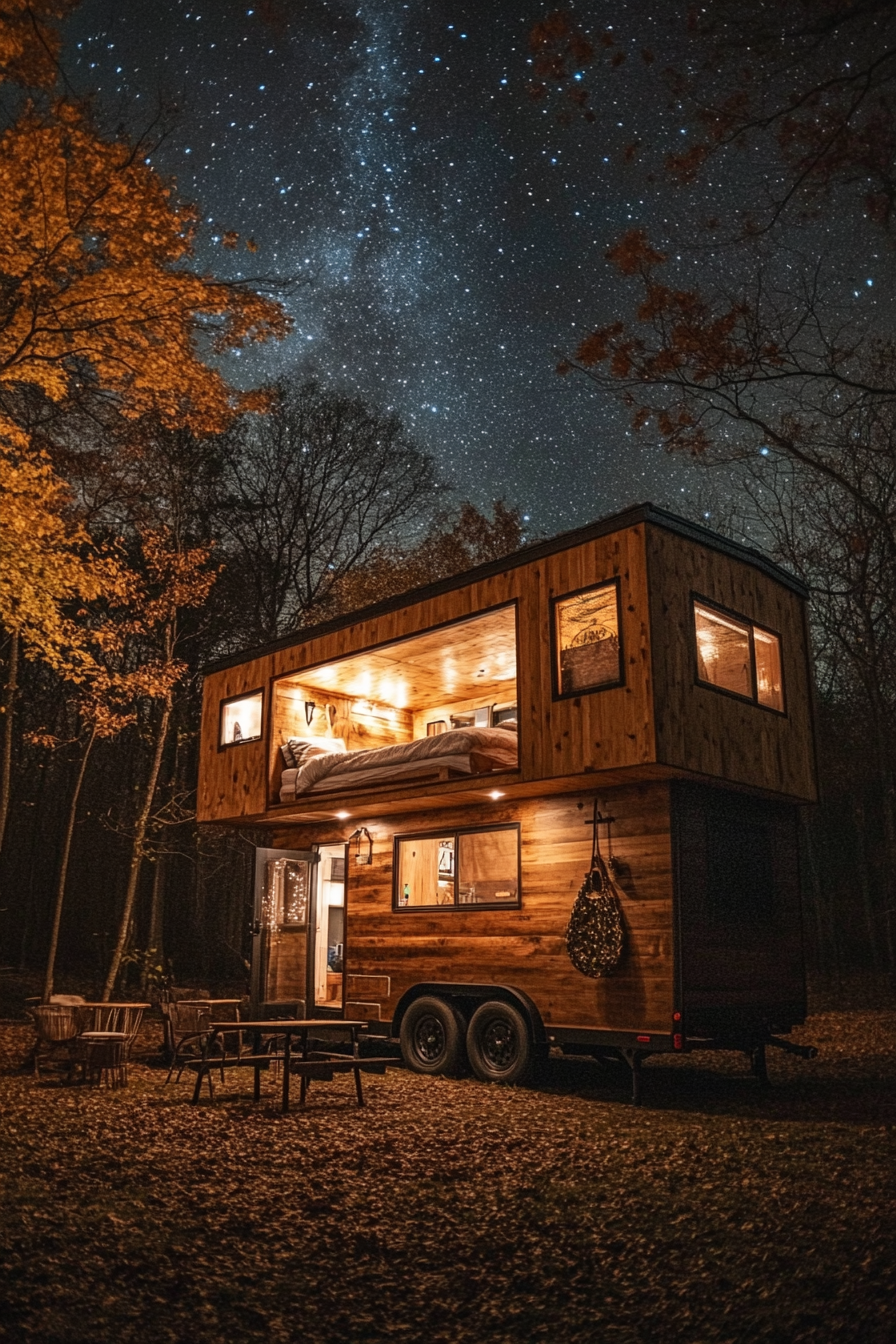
<point>738,656</point>
<point>455,868</point>
<point>586,639</point>
<point>241,719</point>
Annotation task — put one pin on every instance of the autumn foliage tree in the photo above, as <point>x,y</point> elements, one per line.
<point>100,302</point>
<point>175,578</point>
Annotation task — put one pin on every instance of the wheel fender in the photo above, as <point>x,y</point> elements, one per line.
<point>467,997</point>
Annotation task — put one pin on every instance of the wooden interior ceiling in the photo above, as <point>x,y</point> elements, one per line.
<point>457,662</point>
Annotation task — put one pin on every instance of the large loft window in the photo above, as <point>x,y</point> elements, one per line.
<point>241,719</point>
<point>437,705</point>
<point>587,647</point>
<point>457,868</point>
<point>735,655</point>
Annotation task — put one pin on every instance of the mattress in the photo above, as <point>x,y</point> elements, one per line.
<point>470,751</point>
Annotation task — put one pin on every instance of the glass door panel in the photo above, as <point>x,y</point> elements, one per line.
<point>330,927</point>
<point>284,922</point>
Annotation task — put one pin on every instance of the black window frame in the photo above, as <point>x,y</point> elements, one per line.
<point>697,599</point>
<point>231,699</point>
<point>455,832</point>
<point>557,692</point>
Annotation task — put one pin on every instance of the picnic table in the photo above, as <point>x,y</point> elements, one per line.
<point>310,1062</point>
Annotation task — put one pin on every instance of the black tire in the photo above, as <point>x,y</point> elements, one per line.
<point>432,1037</point>
<point>499,1045</point>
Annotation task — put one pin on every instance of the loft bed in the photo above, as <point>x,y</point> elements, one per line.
<point>454,754</point>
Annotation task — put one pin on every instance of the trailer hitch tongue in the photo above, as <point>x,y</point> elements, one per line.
<point>803,1051</point>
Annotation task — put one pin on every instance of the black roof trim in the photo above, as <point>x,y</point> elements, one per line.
<point>637,513</point>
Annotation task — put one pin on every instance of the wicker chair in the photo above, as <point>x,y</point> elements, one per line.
<point>175,994</point>
<point>190,1024</point>
<point>123,1018</point>
<point>58,1026</point>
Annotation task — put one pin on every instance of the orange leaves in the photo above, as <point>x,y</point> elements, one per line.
<point>558,47</point>
<point>29,41</point>
<point>559,51</point>
<point>176,578</point>
<point>633,253</point>
<point>685,167</point>
<point>47,562</point>
<point>595,348</point>
<point>97,251</point>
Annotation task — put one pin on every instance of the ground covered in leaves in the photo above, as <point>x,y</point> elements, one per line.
<point>451,1211</point>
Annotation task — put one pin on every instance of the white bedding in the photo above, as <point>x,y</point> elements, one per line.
<point>465,750</point>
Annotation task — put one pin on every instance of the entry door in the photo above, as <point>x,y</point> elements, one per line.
<point>283,945</point>
<point>330,927</point>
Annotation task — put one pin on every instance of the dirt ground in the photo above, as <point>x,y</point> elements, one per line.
<point>453,1211</point>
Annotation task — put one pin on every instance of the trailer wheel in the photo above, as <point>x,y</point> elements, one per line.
<point>432,1037</point>
<point>499,1046</point>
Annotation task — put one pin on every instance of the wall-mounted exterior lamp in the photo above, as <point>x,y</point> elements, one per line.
<point>361,845</point>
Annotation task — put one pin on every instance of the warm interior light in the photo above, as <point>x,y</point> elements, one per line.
<point>495,794</point>
<point>342,815</point>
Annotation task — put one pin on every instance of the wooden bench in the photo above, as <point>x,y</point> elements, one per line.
<point>310,1064</point>
<point>320,1069</point>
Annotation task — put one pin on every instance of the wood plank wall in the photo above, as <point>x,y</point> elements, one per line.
<point>524,947</point>
<point>359,729</point>
<point>702,729</point>
<point>603,730</point>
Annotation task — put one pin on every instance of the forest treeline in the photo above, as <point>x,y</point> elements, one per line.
<point>153,517</point>
<point>316,506</point>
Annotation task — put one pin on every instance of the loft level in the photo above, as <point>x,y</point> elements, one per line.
<point>641,647</point>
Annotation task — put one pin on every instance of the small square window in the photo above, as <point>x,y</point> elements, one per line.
<point>241,719</point>
<point>587,650</point>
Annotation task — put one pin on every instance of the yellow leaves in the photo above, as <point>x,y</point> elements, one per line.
<point>46,561</point>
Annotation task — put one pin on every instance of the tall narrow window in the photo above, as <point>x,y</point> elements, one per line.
<point>737,656</point>
<point>769,688</point>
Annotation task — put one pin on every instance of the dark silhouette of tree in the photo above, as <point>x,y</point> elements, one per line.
<point>308,491</point>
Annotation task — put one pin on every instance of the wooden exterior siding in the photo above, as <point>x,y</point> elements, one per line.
<point>522,947</point>
<point>708,732</point>
<point>603,730</point>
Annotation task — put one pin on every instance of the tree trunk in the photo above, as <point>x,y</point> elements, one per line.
<point>155,941</point>
<point>12,686</point>
<point>63,868</point>
<point>130,897</point>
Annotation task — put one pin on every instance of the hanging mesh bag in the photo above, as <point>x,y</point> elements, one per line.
<point>594,935</point>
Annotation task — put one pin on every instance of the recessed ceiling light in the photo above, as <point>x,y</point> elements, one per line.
<point>496,794</point>
<point>342,815</point>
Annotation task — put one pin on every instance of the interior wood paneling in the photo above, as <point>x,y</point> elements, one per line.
<point>465,660</point>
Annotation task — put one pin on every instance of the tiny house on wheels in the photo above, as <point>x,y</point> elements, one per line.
<point>435,773</point>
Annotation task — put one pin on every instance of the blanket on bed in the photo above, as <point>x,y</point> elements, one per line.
<point>494,749</point>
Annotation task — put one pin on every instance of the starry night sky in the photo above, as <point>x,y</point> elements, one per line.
<point>446,234</point>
